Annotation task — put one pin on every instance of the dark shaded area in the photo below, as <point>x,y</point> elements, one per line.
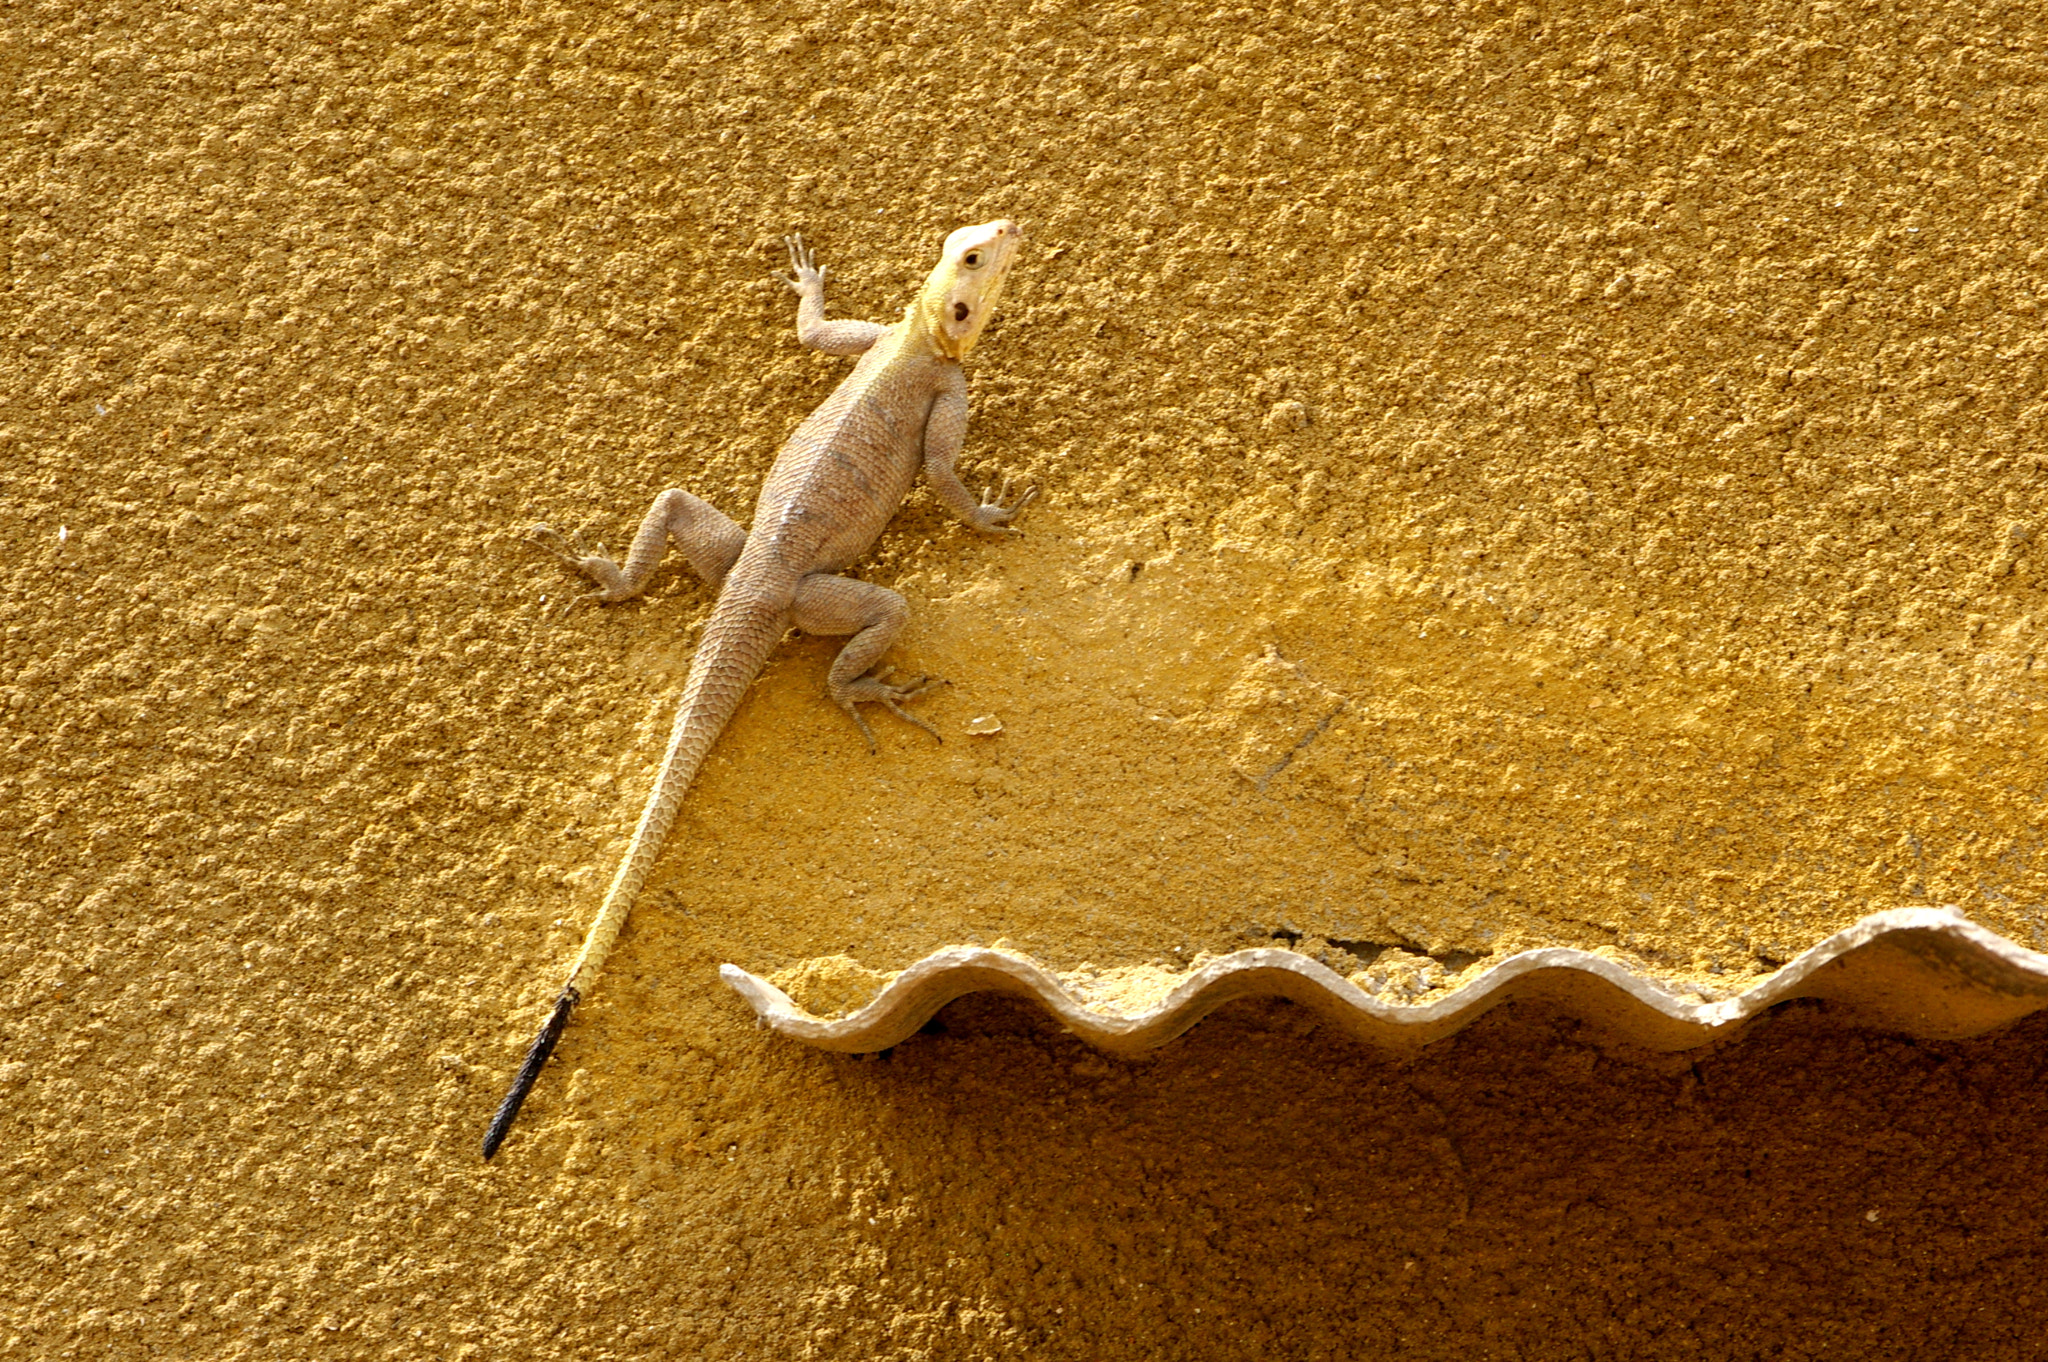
<point>1266,1188</point>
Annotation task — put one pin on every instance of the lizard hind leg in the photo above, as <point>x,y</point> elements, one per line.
<point>874,616</point>
<point>710,539</point>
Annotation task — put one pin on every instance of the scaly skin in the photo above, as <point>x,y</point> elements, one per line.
<point>834,486</point>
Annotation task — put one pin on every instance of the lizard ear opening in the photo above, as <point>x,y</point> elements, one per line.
<point>959,312</point>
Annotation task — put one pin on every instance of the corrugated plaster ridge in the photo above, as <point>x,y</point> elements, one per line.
<point>1927,971</point>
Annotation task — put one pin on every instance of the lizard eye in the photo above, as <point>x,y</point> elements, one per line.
<point>959,312</point>
<point>971,259</point>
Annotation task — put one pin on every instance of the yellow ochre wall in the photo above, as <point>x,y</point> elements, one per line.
<point>1511,475</point>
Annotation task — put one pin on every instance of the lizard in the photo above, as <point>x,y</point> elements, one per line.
<point>833,488</point>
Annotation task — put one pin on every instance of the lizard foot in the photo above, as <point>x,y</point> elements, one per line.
<point>991,516</point>
<point>875,689</point>
<point>593,564</point>
<point>804,260</point>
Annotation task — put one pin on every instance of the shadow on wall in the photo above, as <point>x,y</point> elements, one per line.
<point>1516,1191</point>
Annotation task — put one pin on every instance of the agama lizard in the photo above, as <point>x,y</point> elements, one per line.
<point>833,488</point>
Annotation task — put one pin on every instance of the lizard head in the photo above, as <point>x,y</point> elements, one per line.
<point>960,296</point>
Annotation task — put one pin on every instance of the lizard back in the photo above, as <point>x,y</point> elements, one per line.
<point>841,474</point>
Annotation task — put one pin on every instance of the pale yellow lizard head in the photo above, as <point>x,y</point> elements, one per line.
<point>960,296</point>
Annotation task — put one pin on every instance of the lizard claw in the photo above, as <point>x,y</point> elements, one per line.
<point>993,513</point>
<point>875,688</point>
<point>592,563</point>
<point>803,260</point>
<point>567,547</point>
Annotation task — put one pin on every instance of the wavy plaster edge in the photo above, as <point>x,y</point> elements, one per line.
<point>1929,972</point>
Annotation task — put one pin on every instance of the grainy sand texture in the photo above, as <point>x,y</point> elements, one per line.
<point>1512,475</point>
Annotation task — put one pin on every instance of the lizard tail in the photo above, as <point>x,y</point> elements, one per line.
<point>736,645</point>
<point>522,1083</point>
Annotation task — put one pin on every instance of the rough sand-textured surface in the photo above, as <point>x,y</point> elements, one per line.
<point>1513,475</point>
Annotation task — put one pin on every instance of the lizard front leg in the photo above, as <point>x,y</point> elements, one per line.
<point>874,615</point>
<point>834,338</point>
<point>710,539</point>
<point>945,431</point>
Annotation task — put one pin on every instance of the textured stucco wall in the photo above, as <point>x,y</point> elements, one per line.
<point>1512,475</point>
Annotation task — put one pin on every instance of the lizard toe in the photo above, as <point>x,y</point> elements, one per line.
<point>876,689</point>
<point>862,724</point>
<point>902,713</point>
<point>551,539</point>
<point>916,688</point>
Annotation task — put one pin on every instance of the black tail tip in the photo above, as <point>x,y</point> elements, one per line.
<point>522,1083</point>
